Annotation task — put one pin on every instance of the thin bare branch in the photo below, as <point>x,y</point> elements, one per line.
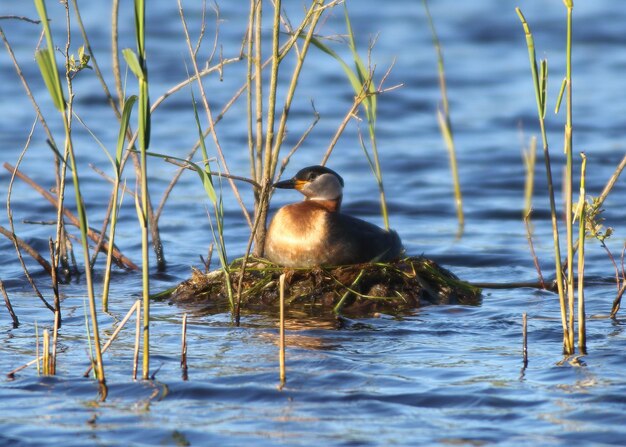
<point>216,174</point>
<point>209,113</point>
<point>93,235</point>
<point>22,18</point>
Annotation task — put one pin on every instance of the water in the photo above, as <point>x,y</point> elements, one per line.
<point>447,375</point>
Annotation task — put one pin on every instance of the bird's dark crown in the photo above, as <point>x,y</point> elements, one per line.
<point>310,173</point>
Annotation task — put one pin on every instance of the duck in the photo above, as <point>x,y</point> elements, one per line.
<point>315,233</point>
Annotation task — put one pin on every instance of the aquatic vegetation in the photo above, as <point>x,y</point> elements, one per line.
<point>360,289</point>
<point>584,213</point>
<point>46,60</point>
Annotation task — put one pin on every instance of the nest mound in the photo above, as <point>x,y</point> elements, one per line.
<point>357,290</point>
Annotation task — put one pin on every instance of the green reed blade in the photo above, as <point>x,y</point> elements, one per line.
<point>121,137</point>
<point>47,64</point>
<point>133,63</point>
<point>50,77</point>
<point>541,105</point>
<point>543,85</point>
<point>559,98</point>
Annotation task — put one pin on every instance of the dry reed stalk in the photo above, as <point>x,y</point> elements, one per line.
<point>617,302</point>
<point>196,146</point>
<point>445,123</point>
<point>105,224</point>
<point>525,339</point>
<point>55,286</point>
<point>257,220</point>
<point>209,115</point>
<point>249,41</point>
<point>37,359</point>
<point>582,210</point>
<point>257,76</point>
<point>116,332</point>
<point>55,337</point>
<point>358,99</point>
<point>209,258</point>
<point>281,339</point>
<point>7,302</point>
<point>611,182</point>
<point>569,178</point>
<point>13,237</point>
<point>311,19</point>
<point>137,341</point>
<point>46,353</point>
<point>37,356</point>
<point>183,353</point>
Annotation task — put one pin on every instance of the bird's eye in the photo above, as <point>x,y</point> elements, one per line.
<point>312,176</point>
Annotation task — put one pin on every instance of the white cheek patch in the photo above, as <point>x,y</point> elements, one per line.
<point>324,187</point>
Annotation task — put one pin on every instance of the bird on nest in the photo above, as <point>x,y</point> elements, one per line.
<point>315,232</point>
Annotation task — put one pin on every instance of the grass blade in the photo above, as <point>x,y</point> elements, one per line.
<point>121,138</point>
<point>50,77</point>
<point>47,64</point>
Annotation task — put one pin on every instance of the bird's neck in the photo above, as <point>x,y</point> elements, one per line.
<point>332,205</point>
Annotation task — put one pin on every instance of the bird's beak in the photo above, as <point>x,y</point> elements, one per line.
<point>290,184</point>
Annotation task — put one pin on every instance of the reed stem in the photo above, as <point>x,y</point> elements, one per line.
<point>137,64</point>
<point>37,357</point>
<point>540,82</point>
<point>117,330</point>
<point>55,281</point>
<point>569,180</point>
<point>118,166</point>
<point>445,123</point>
<point>47,63</point>
<point>55,338</point>
<point>46,353</point>
<point>281,355</point>
<point>137,342</point>
<point>525,339</point>
<point>582,210</point>
<point>17,242</point>
<point>183,353</point>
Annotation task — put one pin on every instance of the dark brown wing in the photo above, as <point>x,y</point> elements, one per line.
<point>355,241</point>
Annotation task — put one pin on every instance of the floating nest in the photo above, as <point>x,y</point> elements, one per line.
<point>356,290</point>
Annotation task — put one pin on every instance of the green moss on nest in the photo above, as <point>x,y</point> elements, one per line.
<point>360,289</point>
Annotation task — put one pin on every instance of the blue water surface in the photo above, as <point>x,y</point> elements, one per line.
<point>442,375</point>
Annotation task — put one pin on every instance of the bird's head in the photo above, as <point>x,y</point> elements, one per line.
<point>316,183</point>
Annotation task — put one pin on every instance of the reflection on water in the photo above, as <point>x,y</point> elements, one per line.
<point>437,375</point>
